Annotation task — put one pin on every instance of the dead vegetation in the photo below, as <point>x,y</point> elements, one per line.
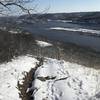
<point>13,45</point>
<point>27,82</point>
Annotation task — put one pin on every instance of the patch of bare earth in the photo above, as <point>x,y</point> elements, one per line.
<point>27,82</point>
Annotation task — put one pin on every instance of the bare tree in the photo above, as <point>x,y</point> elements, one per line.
<point>6,4</point>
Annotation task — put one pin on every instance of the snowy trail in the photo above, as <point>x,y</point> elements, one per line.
<point>60,80</point>
<point>54,80</point>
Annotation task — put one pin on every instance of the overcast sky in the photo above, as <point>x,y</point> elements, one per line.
<point>68,5</point>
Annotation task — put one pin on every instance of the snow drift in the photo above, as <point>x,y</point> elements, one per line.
<point>60,80</point>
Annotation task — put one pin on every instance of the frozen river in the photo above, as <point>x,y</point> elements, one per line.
<point>87,36</point>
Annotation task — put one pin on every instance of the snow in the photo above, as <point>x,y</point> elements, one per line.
<point>3,28</point>
<point>76,30</point>
<point>60,80</point>
<point>43,44</point>
<point>54,80</point>
<point>64,21</point>
<point>15,31</point>
<point>13,72</point>
<point>10,31</point>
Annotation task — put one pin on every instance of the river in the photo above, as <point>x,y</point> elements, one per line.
<point>81,35</point>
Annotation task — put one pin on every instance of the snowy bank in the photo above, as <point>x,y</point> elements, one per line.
<point>60,80</point>
<point>13,72</point>
<point>43,44</point>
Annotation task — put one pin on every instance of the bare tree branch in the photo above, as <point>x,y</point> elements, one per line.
<point>18,3</point>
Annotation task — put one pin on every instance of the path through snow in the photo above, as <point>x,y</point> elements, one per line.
<point>60,80</point>
<point>54,80</point>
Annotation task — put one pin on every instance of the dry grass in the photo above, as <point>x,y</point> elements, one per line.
<point>26,84</point>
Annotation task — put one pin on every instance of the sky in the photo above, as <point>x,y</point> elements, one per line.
<point>58,6</point>
<point>53,6</point>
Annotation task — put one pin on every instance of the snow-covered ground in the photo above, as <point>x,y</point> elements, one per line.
<point>76,30</point>
<point>13,72</point>
<point>54,80</point>
<point>3,28</point>
<point>60,80</point>
<point>43,44</point>
<point>15,31</point>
